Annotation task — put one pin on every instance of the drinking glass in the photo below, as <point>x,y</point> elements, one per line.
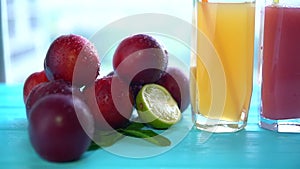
<point>224,41</point>
<point>280,66</point>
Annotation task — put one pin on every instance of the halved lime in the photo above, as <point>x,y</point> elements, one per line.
<point>156,107</point>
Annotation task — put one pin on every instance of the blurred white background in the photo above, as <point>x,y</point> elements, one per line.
<point>34,24</point>
<point>30,26</point>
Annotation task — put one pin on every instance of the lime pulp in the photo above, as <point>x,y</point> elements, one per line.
<point>156,107</point>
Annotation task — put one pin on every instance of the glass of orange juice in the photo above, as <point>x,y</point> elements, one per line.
<point>222,72</point>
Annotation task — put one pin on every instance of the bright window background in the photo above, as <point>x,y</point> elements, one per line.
<point>34,24</point>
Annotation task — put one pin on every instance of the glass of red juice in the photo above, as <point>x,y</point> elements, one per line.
<point>280,66</point>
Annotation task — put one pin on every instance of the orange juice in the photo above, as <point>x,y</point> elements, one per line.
<point>230,28</point>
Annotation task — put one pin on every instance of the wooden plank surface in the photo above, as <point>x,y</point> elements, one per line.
<point>250,148</point>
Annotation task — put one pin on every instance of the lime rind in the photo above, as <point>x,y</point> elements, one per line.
<point>157,107</point>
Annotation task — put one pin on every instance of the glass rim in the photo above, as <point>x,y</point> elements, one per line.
<point>284,3</point>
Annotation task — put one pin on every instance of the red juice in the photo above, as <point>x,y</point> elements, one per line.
<point>281,63</point>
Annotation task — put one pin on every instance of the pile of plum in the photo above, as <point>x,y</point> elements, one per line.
<point>68,100</point>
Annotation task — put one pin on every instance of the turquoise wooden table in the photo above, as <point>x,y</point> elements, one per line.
<point>252,147</point>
